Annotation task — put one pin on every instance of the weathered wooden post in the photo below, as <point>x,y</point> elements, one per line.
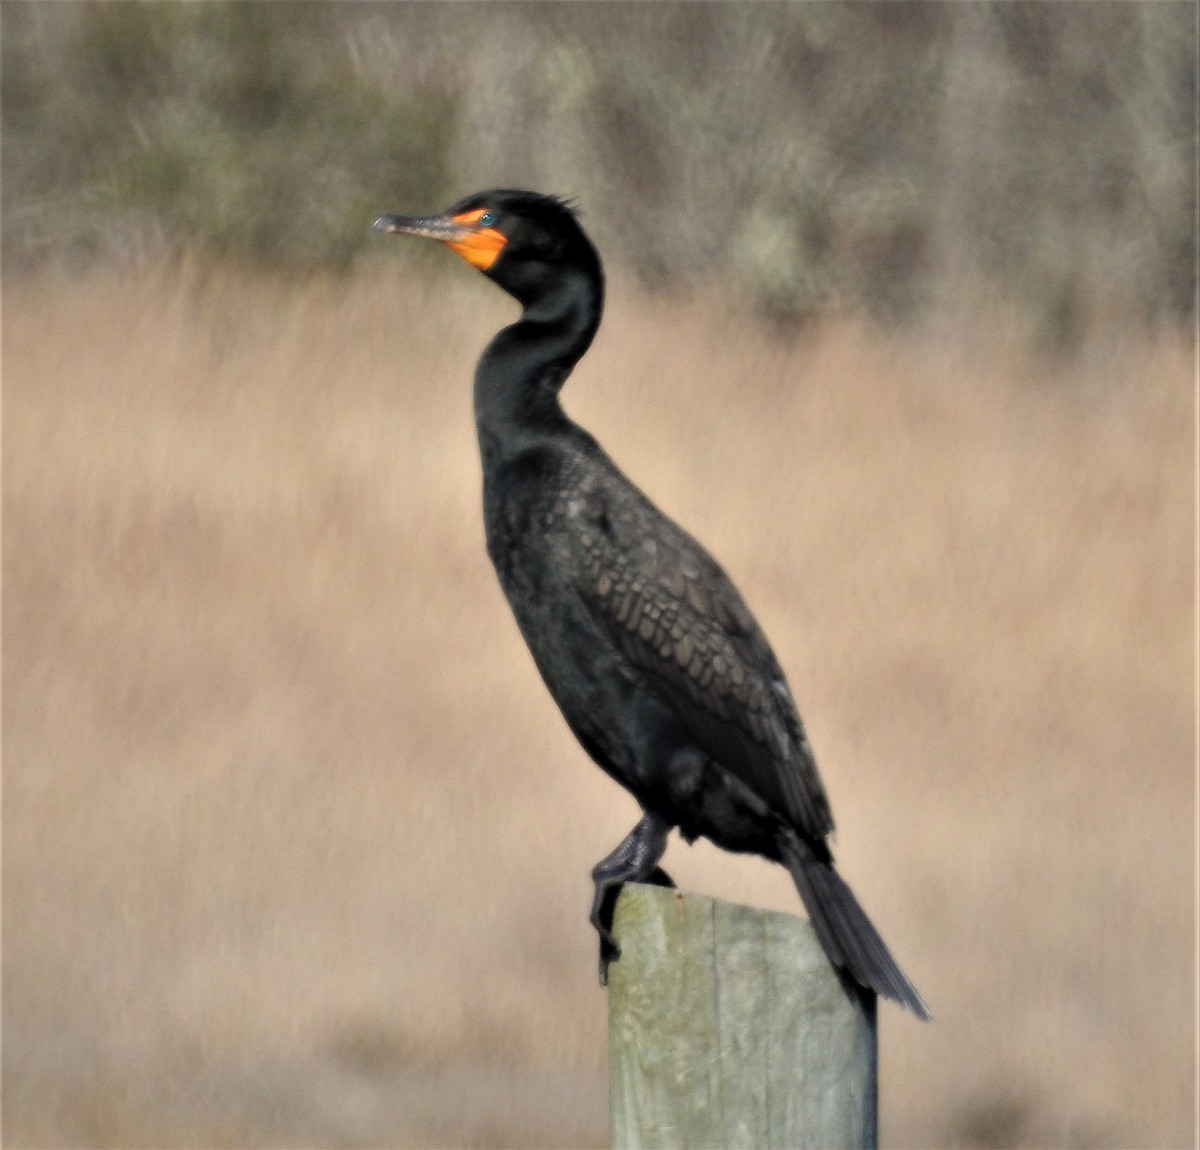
<point>728,1028</point>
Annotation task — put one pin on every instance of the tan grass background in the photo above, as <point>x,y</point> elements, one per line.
<point>296,848</point>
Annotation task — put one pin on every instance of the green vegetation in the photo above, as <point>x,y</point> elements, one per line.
<point>240,126</point>
<point>900,160</point>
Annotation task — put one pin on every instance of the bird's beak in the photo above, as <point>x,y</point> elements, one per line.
<point>478,246</point>
<point>442,228</point>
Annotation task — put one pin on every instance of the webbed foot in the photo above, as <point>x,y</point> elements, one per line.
<point>635,860</point>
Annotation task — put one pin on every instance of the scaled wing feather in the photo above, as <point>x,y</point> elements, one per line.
<point>677,617</point>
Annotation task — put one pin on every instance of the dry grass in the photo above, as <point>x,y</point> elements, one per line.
<point>296,849</point>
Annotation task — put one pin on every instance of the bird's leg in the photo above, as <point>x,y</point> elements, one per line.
<point>635,860</point>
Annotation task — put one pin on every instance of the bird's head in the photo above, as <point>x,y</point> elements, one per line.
<point>522,241</point>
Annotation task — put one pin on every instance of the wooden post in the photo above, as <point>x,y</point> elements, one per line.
<point>729,1028</point>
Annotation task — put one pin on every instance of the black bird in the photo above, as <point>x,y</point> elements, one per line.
<point>645,644</point>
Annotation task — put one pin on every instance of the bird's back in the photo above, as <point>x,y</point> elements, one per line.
<point>627,614</point>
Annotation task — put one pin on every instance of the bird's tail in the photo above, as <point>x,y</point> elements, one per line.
<point>843,929</point>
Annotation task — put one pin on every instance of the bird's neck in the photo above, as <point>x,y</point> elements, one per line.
<point>520,374</point>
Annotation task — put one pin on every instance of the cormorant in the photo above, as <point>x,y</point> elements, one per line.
<point>645,644</point>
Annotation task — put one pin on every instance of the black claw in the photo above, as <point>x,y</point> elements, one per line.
<point>609,953</point>
<point>603,922</point>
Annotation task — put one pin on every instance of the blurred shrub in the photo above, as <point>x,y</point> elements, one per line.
<point>868,156</point>
<point>241,126</point>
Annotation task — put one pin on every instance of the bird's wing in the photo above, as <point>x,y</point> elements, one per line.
<point>677,617</point>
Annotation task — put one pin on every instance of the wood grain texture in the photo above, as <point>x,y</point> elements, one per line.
<point>729,1028</point>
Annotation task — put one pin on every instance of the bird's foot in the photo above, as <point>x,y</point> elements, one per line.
<point>634,860</point>
<point>604,909</point>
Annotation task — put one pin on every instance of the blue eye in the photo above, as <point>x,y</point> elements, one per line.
<point>487,219</point>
